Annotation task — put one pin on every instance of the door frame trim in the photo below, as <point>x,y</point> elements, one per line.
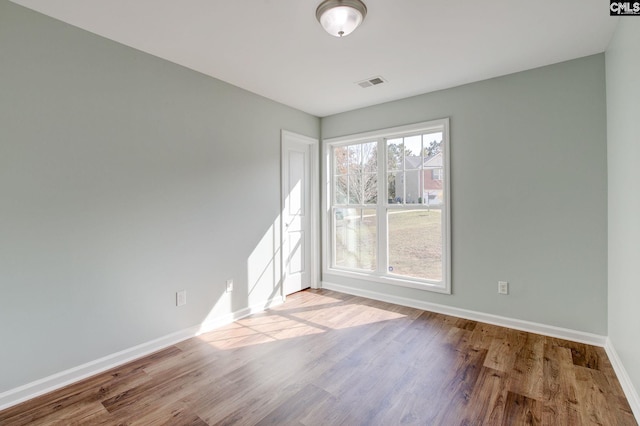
<point>314,205</point>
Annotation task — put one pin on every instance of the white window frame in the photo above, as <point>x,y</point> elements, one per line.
<point>380,274</point>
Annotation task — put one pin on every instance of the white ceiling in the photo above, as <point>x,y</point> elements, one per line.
<point>277,49</point>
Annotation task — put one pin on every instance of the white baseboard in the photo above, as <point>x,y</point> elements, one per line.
<point>623,377</point>
<point>56,381</point>
<point>532,327</point>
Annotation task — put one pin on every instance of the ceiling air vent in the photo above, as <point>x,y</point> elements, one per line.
<point>373,81</point>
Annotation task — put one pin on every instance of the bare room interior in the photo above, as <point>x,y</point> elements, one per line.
<point>354,212</point>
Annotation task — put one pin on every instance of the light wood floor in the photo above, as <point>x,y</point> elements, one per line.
<point>325,358</point>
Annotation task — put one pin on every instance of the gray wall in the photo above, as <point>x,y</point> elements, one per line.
<point>124,178</point>
<point>529,192</point>
<point>623,154</point>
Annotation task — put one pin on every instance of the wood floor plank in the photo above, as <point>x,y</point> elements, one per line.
<point>486,403</point>
<point>429,385</point>
<point>585,355</point>
<point>527,375</point>
<point>326,358</point>
<point>595,406</point>
<point>504,349</point>
<point>88,391</point>
<point>294,409</point>
<point>458,393</point>
<point>260,386</point>
<point>484,334</point>
<point>559,388</point>
<point>173,414</point>
<point>367,394</point>
<point>82,412</point>
<point>618,407</point>
<point>520,410</point>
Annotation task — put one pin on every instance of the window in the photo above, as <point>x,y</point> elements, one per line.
<point>387,206</point>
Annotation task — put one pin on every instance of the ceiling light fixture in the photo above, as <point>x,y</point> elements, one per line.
<point>341,17</point>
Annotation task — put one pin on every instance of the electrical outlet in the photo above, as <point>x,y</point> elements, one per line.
<point>229,286</point>
<point>503,287</point>
<point>181,297</point>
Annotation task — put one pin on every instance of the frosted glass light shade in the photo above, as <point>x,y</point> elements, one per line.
<point>340,17</point>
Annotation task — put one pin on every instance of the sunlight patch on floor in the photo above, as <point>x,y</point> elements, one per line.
<point>296,319</point>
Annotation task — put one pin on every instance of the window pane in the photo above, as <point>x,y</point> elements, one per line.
<point>394,154</point>
<point>341,160</point>
<point>413,186</point>
<point>355,238</point>
<point>432,144</point>
<point>415,243</point>
<point>370,188</point>
<point>355,189</point>
<point>433,165</point>
<point>370,157</point>
<point>341,183</point>
<point>355,159</point>
<point>413,152</point>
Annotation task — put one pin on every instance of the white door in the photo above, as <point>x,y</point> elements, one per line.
<point>297,232</point>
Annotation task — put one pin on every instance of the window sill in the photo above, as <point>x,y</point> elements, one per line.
<point>441,287</point>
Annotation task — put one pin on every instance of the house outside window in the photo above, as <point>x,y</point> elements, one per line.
<point>436,174</point>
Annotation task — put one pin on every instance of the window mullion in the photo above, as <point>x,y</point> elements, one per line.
<point>381,206</point>
<point>403,172</point>
<point>362,175</point>
<point>332,201</point>
<point>421,172</point>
